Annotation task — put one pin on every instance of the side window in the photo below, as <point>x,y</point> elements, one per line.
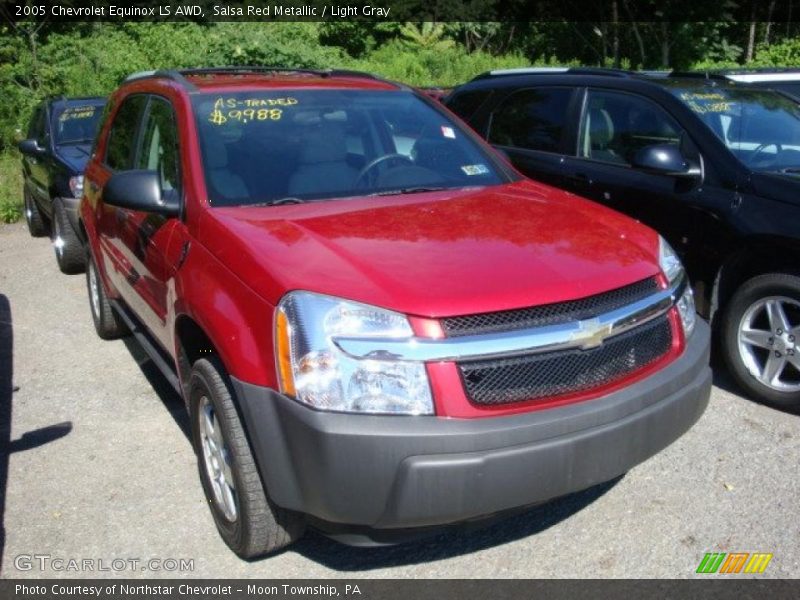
<point>532,119</point>
<point>36,127</point>
<point>159,147</point>
<point>615,126</point>
<point>122,140</point>
<point>466,104</point>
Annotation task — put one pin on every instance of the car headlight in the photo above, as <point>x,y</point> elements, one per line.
<point>673,270</point>
<point>76,186</point>
<point>313,370</point>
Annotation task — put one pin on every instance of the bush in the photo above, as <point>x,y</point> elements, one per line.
<point>10,187</point>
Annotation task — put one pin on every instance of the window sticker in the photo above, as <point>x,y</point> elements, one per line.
<point>249,109</point>
<point>479,169</point>
<point>448,132</point>
<point>707,102</point>
<point>77,112</point>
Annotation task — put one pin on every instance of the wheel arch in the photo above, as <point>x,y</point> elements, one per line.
<point>756,256</point>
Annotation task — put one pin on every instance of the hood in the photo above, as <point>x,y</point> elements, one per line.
<point>436,254</point>
<point>75,156</point>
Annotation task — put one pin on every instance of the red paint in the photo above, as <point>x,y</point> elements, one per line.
<point>428,255</point>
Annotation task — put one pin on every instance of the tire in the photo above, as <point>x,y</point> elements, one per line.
<point>249,523</point>
<point>761,352</point>
<point>70,255</point>
<point>108,324</point>
<point>37,226</point>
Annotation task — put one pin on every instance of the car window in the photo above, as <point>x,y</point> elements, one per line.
<point>159,145</point>
<point>36,126</point>
<point>122,140</point>
<point>533,119</point>
<point>262,146</point>
<point>465,104</point>
<point>761,127</point>
<point>615,126</point>
<point>76,123</point>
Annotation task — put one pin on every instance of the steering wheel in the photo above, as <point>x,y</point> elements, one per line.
<point>761,147</point>
<point>374,163</point>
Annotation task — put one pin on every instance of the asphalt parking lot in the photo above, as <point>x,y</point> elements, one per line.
<point>99,467</point>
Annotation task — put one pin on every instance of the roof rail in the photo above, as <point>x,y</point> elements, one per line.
<point>179,76</point>
<point>556,71</point>
<point>176,76</point>
<point>710,75</point>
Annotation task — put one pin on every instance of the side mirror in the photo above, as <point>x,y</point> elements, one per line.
<point>30,147</point>
<point>140,190</point>
<point>665,159</point>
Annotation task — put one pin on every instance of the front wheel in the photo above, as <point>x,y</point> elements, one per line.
<point>249,523</point>
<point>761,338</point>
<point>108,324</point>
<point>70,254</point>
<point>37,226</point>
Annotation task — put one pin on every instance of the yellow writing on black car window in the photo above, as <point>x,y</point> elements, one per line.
<point>77,112</point>
<point>708,102</point>
<point>248,109</point>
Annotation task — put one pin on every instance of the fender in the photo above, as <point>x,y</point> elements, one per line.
<point>220,303</point>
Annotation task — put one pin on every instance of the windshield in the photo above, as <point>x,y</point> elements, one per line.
<point>76,124</point>
<point>761,127</point>
<point>283,146</point>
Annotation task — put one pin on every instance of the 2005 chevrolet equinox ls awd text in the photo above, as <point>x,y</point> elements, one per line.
<point>378,326</point>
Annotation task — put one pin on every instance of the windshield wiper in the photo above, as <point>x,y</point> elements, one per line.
<point>278,202</point>
<point>789,170</point>
<point>409,190</point>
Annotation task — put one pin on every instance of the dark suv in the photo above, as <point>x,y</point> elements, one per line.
<point>54,154</point>
<point>713,165</point>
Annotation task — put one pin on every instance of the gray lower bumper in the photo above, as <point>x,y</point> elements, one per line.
<point>393,472</point>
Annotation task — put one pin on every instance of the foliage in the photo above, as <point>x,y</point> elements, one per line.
<point>10,188</point>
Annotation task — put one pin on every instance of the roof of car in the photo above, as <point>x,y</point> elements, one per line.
<point>58,100</point>
<point>266,77</point>
<point>616,77</point>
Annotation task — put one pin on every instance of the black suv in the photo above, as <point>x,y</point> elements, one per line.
<point>57,148</point>
<point>712,164</point>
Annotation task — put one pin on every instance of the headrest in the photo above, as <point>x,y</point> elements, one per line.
<point>601,128</point>
<point>323,142</point>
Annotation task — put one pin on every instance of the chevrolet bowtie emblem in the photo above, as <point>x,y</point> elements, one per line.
<point>591,333</point>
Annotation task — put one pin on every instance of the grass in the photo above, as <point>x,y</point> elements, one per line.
<point>10,187</point>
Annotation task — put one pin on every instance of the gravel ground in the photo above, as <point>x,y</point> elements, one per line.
<point>100,467</point>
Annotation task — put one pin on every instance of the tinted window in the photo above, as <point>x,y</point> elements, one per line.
<point>615,126</point>
<point>159,150</point>
<point>295,145</point>
<point>466,104</point>
<point>532,119</point>
<point>76,124</point>
<point>36,127</point>
<point>121,142</point>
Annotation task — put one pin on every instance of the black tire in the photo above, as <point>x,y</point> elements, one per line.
<point>258,526</point>
<point>741,306</point>
<point>70,255</point>
<point>37,226</point>
<point>108,324</point>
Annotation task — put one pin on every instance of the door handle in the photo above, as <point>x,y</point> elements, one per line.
<point>93,186</point>
<point>581,180</point>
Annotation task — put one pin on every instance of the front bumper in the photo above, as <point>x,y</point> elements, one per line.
<point>395,472</point>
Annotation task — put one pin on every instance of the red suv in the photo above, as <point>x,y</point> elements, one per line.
<point>375,322</point>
